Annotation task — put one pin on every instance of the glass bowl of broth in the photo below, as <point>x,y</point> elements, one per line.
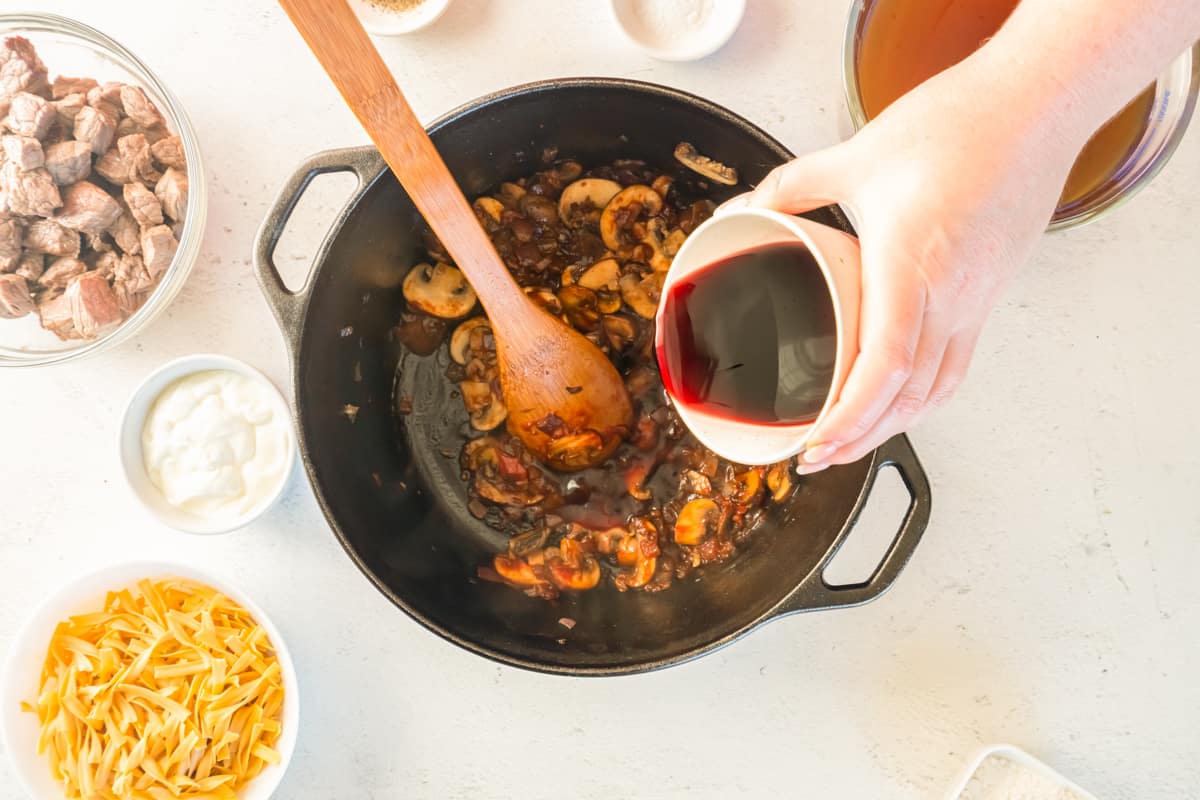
<point>891,46</point>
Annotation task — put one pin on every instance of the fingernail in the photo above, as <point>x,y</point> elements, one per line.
<point>809,469</point>
<point>820,452</point>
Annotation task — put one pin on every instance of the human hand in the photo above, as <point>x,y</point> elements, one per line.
<point>950,192</point>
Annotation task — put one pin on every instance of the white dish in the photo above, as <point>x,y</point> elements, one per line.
<point>1015,754</point>
<point>22,672</point>
<point>642,22</point>
<point>131,443</point>
<point>384,22</point>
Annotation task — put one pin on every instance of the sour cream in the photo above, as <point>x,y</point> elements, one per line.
<point>216,444</point>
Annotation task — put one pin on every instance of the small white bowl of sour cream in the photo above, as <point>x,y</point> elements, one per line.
<point>207,444</point>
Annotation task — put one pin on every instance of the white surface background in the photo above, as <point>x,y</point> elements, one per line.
<point>1053,602</point>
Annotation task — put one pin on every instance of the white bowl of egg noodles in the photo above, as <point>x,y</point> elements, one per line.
<point>212,651</point>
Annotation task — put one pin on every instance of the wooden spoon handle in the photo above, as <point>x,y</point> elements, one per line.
<point>338,40</point>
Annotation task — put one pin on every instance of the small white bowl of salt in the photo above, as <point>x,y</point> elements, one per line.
<point>679,30</point>
<point>1005,772</point>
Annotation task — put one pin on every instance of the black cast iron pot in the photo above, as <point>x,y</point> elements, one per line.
<point>388,483</point>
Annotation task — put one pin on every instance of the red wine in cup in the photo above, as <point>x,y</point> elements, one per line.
<point>751,337</point>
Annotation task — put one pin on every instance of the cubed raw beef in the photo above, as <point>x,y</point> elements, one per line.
<point>15,299</point>
<point>30,115</point>
<point>158,248</point>
<point>96,128</point>
<point>143,204</point>
<point>69,162</point>
<point>24,151</point>
<point>47,236</point>
<point>87,208</point>
<point>172,192</point>
<point>28,192</point>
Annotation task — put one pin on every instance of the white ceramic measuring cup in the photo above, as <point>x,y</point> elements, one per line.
<point>837,253</point>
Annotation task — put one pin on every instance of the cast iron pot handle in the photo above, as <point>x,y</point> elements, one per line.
<point>815,594</point>
<point>287,305</point>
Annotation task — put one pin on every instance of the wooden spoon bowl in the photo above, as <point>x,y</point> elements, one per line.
<point>566,401</point>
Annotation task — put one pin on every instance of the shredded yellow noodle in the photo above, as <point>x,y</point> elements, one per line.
<point>172,691</point>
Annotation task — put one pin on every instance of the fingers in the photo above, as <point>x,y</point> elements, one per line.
<point>890,331</point>
<point>810,181</point>
<point>952,372</point>
<point>950,369</point>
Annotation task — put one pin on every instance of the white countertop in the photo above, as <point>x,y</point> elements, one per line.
<point>1053,602</point>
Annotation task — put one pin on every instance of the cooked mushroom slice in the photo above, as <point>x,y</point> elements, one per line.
<point>575,450</point>
<point>745,486</point>
<point>619,332</point>
<point>515,570</point>
<point>545,298</point>
<point>644,554</point>
<point>673,242</point>
<point>506,494</point>
<point>523,544</point>
<point>627,207</point>
<point>601,275</point>
<point>695,520</point>
<point>460,340</point>
<point>488,207</point>
<point>565,171</point>
<point>641,294</point>
<point>571,568</point>
<point>655,240</point>
<point>510,194</point>
<point>439,290</point>
<point>779,481</point>
<point>585,199</point>
<point>636,476</point>
<point>608,302</point>
<point>581,307</point>
<point>568,277</point>
<point>662,184</point>
<point>487,411</point>
<point>479,453</point>
<point>539,209</point>
<point>687,155</point>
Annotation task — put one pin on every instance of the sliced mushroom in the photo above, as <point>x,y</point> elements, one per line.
<point>745,486</point>
<point>695,520</point>
<point>673,242</point>
<point>628,206</point>
<point>662,184</point>
<point>779,481</point>
<point>641,294</point>
<point>571,568</point>
<point>545,298</point>
<point>619,332</point>
<point>486,409</point>
<point>488,207</point>
<point>439,290</point>
<point>507,495</point>
<point>523,544</point>
<point>608,302</point>
<point>580,306</point>
<point>510,194</point>
<point>460,340</point>
<point>575,450</point>
<point>585,199</point>
<point>645,555</point>
<point>687,155</point>
<point>654,238</point>
<point>516,571</point>
<point>601,275</point>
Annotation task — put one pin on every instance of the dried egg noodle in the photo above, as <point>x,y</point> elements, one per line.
<point>172,691</point>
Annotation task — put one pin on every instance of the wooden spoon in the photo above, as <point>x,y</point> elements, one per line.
<point>565,399</point>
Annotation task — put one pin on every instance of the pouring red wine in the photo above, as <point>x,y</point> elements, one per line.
<point>751,337</point>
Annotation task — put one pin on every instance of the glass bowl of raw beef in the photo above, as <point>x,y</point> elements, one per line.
<point>102,198</point>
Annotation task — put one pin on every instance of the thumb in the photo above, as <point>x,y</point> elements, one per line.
<point>810,181</point>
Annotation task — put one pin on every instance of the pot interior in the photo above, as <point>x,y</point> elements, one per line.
<point>389,483</point>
